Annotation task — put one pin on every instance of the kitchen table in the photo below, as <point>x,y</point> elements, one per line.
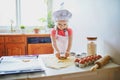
<point>111,71</point>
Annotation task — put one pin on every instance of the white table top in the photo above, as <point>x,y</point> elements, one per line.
<point>72,69</point>
<point>12,63</point>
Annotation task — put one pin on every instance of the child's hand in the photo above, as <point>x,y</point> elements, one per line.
<point>57,55</point>
<point>67,54</point>
<point>60,57</point>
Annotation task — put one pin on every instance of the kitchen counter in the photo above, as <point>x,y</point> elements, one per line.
<point>21,33</point>
<point>69,73</point>
<point>25,34</point>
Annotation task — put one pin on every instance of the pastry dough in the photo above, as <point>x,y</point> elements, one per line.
<point>53,62</point>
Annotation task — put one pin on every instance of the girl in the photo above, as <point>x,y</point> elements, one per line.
<point>61,35</point>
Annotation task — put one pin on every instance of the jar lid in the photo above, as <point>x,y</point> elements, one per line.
<point>91,38</point>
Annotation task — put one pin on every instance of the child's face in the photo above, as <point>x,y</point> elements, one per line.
<point>62,24</point>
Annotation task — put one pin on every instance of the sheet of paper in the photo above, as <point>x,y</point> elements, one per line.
<point>53,62</point>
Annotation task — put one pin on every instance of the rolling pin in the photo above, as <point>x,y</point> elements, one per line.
<point>101,62</point>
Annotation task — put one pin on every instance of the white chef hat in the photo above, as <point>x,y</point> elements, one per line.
<point>62,15</point>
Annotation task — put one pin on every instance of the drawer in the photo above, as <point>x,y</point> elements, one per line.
<point>1,39</point>
<point>42,48</point>
<point>14,39</point>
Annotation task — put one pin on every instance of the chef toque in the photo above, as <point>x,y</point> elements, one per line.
<point>62,15</point>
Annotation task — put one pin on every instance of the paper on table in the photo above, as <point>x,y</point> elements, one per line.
<point>53,62</point>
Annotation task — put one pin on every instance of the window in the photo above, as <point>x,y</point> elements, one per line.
<point>22,12</point>
<point>32,11</point>
<point>7,12</point>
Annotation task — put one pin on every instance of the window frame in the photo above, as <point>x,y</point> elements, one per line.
<point>18,13</point>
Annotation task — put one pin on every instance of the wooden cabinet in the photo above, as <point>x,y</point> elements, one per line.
<point>1,39</point>
<point>116,74</point>
<point>23,44</point>
<point>109,74</point>
<point>80,76</point>
<point>42,48</point>
<point>104,75</point>
<point>15,49</point>
<point>15,45</point>
<point>2,49</point>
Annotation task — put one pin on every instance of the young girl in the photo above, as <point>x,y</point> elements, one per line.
<point>61,35</point>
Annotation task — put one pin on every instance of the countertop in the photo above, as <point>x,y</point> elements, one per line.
<point>39,63</point>
<point>25,34</point>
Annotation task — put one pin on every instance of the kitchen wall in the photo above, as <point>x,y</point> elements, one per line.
<point>99,18</point>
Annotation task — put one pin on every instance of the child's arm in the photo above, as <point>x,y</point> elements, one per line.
<point>69,46</point>
<point>69,43</point>
<point>67,53</point>
<point>70,36</point>
<point>54,43</point>
<point>55,47</point>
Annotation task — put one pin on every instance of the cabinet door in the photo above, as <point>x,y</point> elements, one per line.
<point>42,48</point>
<point>103,74</point>
<point>109,74</point>
<point>81,76</point>
<point>15,49</point>
<point>2,50</point>
<point>1,39</point>
<point>117,74</point>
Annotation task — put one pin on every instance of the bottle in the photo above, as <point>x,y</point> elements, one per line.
<point>91,45</point>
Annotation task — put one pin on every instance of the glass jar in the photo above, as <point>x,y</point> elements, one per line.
<point>91,45</point>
